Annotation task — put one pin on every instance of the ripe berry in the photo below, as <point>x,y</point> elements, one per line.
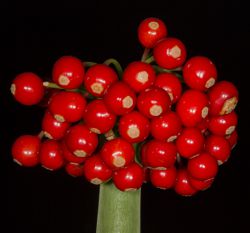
<point>69,156</point>
<point>25,150</point>
<point>170,53</point>
<point>129,178</point>
<point>117,153</point>
<point>150,31</point>
<point>190,142</point>
<point>98,118</point>
<point>74,169</point>
<point>153,102</point>
<point>203,125</point>
<point>134,127</point>
<point>223,98</point>
<point>200,185</point>
<point>67,106</point>
<point>98,78</point>
<point>199,73</point>
<point>139,75</point>
<point>120,98</point>
<point>171,84</point>
<point>68,72</point>
<point>96,171</point>
<point>27,88</point>
<point>192,107</point>
<point>232,139</point>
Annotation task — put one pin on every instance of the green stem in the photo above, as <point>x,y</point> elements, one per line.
<point>116,64</point>
<point>89,63</point>
<point>162,70</point>
<point>118,212</point>
<point>51,85</point>
<point>145,54</point>
<point>149,60</point>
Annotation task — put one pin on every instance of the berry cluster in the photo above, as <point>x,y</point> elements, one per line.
<point>164,119</point>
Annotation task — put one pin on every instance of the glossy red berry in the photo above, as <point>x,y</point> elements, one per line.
<point>192,107</point>
<point>150,31</point>
<point>170,53</point>
<point>98,78</point>
<point>81,141</point>
<point>120,98</point>
<point>203,125</point>
<point>202,167</point>
<point>96,171</point>
<point>117,153</point>
<point>27,88</point>
<point>25,150</point>
<point>67,106</point>
<point>200,185</point>
<point>129,178</point>
<point>69,156</point>
<point>232,139</point>
<point>51,155</point>
<point>153,102</point>
<point>163,179</point>
<point>134,127</point>
<point>199,73</point>
<point>171,84</point>
<point>68,72</point>
<point>139,75</point>
<point>74,169</point>
<point>190,142</point>
<point>223,98</point>
<point>98,118</point>
<point>166,127</point>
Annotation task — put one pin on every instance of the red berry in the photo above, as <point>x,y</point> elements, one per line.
<point>96,171</point>
<point>143,155</point>
<point>200,185</point>
<point>139,75</point>
<point>150,31</point>
<point>203,125</point>
<point>98,118</point>
<point>129,178</point>
<point>202,167</point>
<point>170,53</point>
<point>117,153</point>
<point>171,84</point>
<point>166,127</point>
<point>223,98</point>
<point>199,73</point>
<point>81,141</point>
<point>190,142</point>
<point>69,156</point>
<point>67,106</point>
<point>68,72</point>
<point>223,125</point>
<point>74,169</point>
<point>25,150</point>
<point>163,179</point>
<point>153,102</point>
<point>120,98</point>
<point>27,88</point>
<point>232,139</point>
<point>51,155</point>
<point>134,127</point>
<point>192,107</point>
<point>98,78</point>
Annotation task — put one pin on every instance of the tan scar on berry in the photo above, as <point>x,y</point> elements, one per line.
<point>210,82</point>
<point>172,138</point>
<point>13,89</point>
<point>48,135</point>
<point>155,110</point>
<point>133,132</point>
<point>80,153</point>
<point>59,118</point>
<point>97,88</point>
<point>96,181</point>
<point>229,106</point>
<point>63,80</point>
<point>153,25</point>
<point>230,129</point>
<point>119,161</point>
<point>142,77</point>
<point>175,52</point>
<point>95,130</point>
<point>127,102</point>
<point>204,112</point>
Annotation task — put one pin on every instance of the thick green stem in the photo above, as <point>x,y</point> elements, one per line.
<point>116,64</point>
<point>145,54</point>
<point>118,212</point>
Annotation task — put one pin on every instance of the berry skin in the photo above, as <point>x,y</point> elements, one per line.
<point>163,179</point>
<point>232,139</point>
<point>52,128</point>
<point>69,156</point>
<point>74,169</point>
<point>199,73</point>
<point>190,142</point>
<point>117,153</point>
<point>120,98</point>
<point>129,178</point>
<point>203,125</point>
<point>223,98</point>
<point>166,127</point>
<point>200,185</point>
<point>192,107</point>
<point>81,141</point>
<point>202,167</point>
<point>27,88</point>
<point>51,155</point>
<point>68,72</point>
<point>139,75</point>
<point>153,102</point>
<point>223,125</point>
<point>67,106</point>
<point>98,118</point>
<point>96,171</point>
<point>171,84</point>
<point>134,127</point>
<point>98,78</point>
<point>25,150</point>
<point>170,53</point>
